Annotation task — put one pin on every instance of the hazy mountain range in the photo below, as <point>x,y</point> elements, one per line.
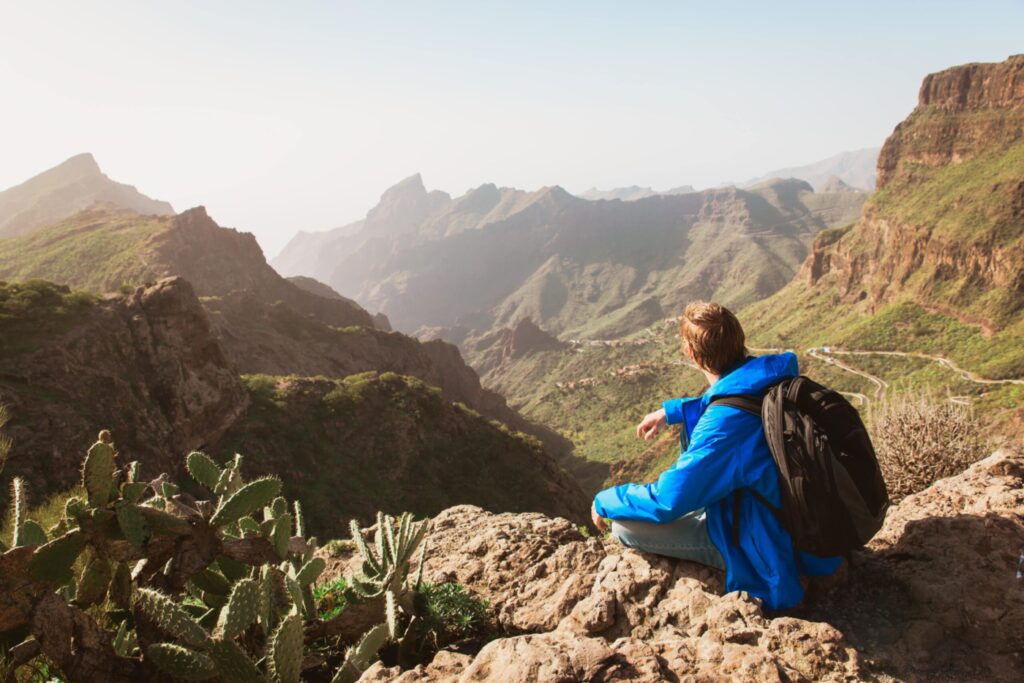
<point>856,169</point>
<point>575,266</point>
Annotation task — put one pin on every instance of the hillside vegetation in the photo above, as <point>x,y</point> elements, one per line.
<point>384,441</point>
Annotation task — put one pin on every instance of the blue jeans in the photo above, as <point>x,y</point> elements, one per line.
<point>686,538</point>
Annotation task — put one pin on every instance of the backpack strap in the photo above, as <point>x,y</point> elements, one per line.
<point>744,402</point>
<point>752,405</point>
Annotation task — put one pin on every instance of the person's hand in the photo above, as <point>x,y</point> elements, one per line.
<point>598,520</point>
<point>651,425</point>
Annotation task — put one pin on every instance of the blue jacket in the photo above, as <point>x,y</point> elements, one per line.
<point>725,450</point>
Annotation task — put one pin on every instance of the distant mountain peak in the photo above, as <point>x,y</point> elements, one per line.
<point>836,184</point>
<point>84,163</point>
<point>62,191</point>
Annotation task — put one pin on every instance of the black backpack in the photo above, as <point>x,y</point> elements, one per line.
<point>833,496</point>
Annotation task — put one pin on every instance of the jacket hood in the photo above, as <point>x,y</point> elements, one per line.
<point>755,375</point>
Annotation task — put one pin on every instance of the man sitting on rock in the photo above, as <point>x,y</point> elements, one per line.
<point>688,512</point>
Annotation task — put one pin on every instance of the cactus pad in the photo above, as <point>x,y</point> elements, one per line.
<point>203,469</point>
<point>311,571</point>
<point>53,562</point>
<point>170,617</point>
<point>92,584</point>
<point>181,662</point>
<point>98,473</point>
<point>233,664</point>
<point>282,534</point>
<point>285,654</point>
<point>241,610</point>
<point>120,592</point>
<point>31,533</point>
<point>132,524</point>
<point>246,500</point>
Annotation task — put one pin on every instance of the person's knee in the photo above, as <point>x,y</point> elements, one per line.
<point>618,532</point>
<point>624,534</point>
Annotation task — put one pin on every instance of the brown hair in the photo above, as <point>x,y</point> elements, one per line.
<point>714,335</point>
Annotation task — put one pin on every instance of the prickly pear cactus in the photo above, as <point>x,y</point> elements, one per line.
<point>199,589</point>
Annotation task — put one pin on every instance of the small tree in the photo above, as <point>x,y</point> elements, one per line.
<point>922,438</point>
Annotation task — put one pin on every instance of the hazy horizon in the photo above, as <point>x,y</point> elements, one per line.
<point>285,118</point>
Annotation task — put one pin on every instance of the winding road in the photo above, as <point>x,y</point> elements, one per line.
<point>827,354</point>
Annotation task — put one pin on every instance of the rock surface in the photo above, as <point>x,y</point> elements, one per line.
<point>145,365</point>
<point>934,597</point>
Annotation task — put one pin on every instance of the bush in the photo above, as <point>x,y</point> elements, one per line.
<point>451,614</point>
<point>920,439</point>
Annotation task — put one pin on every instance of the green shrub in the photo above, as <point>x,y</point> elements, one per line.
<point>330,598</point>
<point>451,613</point>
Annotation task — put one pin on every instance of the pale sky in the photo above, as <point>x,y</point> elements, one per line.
<point>281,116</point>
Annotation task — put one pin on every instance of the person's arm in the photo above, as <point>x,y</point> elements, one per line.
<point>705,473</point>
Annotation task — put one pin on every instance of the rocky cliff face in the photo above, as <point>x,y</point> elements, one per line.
<point>144,365</point>
<point>265,323</point>
<point>947,225</point>
<point>148,366</point>
<point>64,190</point>
<point>933,597</point>
<point>960,113</point>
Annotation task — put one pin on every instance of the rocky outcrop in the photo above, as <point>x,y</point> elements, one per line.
<point>220,261</point>
<point>495,349</point>
<point>64,190</point>
<point>933,597</point>
<point>144,365</point>
<point>960,112</point>
<point>835,184</point>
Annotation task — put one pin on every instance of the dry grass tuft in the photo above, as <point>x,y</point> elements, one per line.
<point>922,438</point>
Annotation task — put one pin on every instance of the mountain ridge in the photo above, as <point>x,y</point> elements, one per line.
<point>541,254</point>
<point>65,189</point>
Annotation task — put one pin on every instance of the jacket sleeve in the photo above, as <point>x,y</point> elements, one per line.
<point>683,411</point>
<point>705,473</point>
